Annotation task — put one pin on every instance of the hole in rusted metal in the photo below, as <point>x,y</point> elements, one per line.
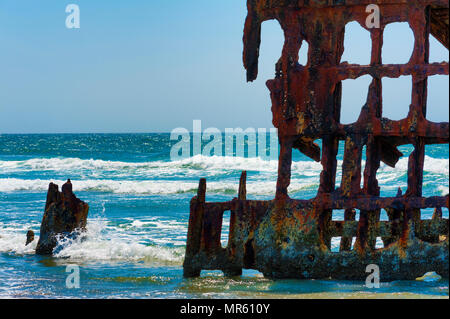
<point>305,172</point>
<point>383,215</point>
<point>272,40</point>
<point>438,53</point>
<point>438,98</point>
<point>252,273</point>
<point>338,215</point>
<point>396,97</point>
<point>211,273</point>
<point>353,243</point>
<point>363,164</point>
<point>398,43</point>
<point>426,213</point>
<point>379,243</point>
<point>357,44</point>
<point>387,174</point>
<point>225,228</point>
<point>340,161</point>
<point>335,243</point>
<point>354,97</point>
<point>303,53</point>
<point>445,212</point>
<point>436,170</point>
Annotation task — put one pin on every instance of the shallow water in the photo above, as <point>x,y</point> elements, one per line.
<point>139,210</point>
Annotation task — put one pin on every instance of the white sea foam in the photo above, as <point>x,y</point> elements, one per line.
<point>13,238</point>
<point>305,174</point>
<point>443,189</point>
<point>432,165</point>
<point>387,179</point>
<point>156,187</point>
<point>100,243</point>
<point>198,162</point>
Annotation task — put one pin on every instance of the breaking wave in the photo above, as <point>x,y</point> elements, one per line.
<point>13,238</point>
<point>120,177</point>
<point>199,162</point>
<point>155,187</point>
<point>100,243</point>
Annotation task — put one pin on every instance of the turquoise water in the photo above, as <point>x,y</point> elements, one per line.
<point>139,210</point>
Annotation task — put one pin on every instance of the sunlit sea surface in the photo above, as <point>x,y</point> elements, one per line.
<point>139,210</point>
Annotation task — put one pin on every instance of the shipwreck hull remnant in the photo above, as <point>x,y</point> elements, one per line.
<point>290,238</point>
<point>65,215</point>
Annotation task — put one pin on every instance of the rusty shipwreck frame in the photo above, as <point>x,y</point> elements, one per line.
<point>288,238</point>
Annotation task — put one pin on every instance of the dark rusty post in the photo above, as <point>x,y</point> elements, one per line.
<point>242,194</point>
<point>284,168</point>
<point>346,242</point>
<point>195,228</point>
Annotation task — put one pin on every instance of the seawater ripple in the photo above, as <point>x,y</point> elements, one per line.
<point>165,177</point>
<point>139,211</point>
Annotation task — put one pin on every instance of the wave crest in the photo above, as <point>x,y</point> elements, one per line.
<point>153,187</point>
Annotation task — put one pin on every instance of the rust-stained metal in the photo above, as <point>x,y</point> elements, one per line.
<point>289,238</point>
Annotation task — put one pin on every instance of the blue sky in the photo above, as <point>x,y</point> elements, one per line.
<point>151,66</point>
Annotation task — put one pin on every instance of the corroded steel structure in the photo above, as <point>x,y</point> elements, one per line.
<point>289,238</point>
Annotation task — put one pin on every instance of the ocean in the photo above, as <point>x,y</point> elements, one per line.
<point>138,218</point>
